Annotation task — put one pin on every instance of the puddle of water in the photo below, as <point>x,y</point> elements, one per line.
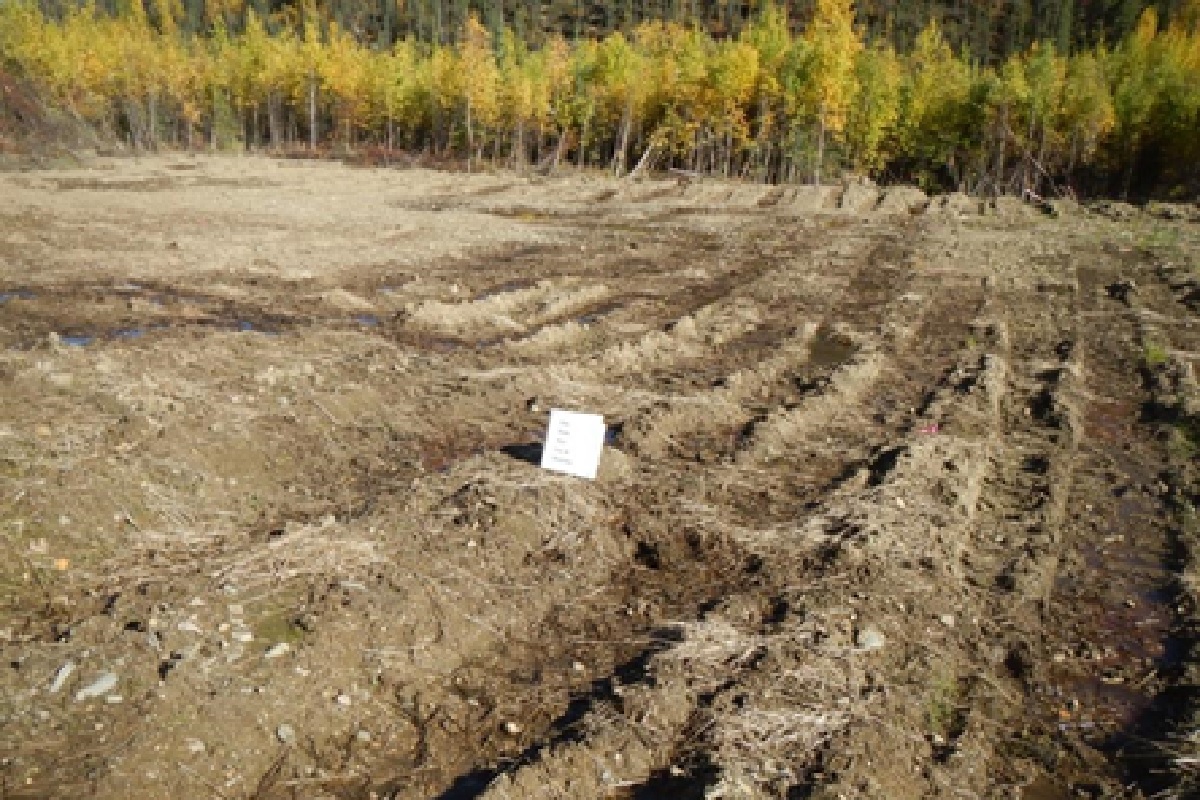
<point>369,320</point>
<point>597,313</point>
<point>129,333</point>
<point>1045,788</point>
<point>505,288</point>
<point>828,349</point>
<point>80,340</point>
<point>16,294</point>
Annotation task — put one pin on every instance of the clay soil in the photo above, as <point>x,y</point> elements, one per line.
<point>896,500</point>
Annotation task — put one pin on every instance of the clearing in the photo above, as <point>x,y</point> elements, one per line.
<point>896,503</point>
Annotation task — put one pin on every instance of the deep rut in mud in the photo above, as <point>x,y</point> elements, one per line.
<point>893,503</point>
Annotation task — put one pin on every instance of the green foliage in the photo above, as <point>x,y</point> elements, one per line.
<point>1155,355</point>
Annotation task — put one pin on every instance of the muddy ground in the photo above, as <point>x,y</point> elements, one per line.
<point>897,500</point>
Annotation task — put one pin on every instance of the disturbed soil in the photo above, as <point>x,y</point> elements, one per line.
<point>897,499</point>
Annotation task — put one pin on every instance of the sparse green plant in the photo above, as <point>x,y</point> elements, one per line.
<point>1159,237</point>
<point>1155,355</point>
<point>1184,442</point>
<point>942,704</point>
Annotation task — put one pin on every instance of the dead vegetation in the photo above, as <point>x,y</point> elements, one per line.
<point>891,506</point>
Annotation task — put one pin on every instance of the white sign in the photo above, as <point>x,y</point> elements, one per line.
<point>573,443</point>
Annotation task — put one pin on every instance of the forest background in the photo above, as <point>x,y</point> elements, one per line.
<point>1033,97</point>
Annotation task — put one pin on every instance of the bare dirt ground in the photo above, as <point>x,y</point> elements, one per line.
<point>897,500</point>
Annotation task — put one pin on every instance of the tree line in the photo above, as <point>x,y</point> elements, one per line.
<point>774,102</point>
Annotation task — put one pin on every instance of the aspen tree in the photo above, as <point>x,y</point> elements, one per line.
<point>770,38</point>
<point>343,72</point>
<point>1087,108</point>
<point>480,83</point>
<point>733,75</point>
<point>833,43</point>
<point>620,86</point>
<point>873,116</point>
<point>1135,90</point>
<point>935,96</point>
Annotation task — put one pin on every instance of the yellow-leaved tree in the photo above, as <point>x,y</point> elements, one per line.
<point>833,45</point>
<point>874,114</point>
<point>480,84</point>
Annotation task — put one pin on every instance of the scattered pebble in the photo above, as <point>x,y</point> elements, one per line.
<point>101,686</point>
<point>285,733</point>
<point>60,677</point>
<point>195,746</point>
<point>343,700</point>
<point>363,736</point>
<point>870,638</point>
<point>947,620</point>
<point>243,636</point>
<point>277,650</point>
<point>512,728</point>
<point>114,699</point>
<point>900,502</point>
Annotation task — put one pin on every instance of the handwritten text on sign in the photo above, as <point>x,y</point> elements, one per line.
<point>574,442</point>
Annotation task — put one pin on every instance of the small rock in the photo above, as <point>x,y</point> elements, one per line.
<point>188,626</point>
<point>900,502</point>
<point>195,746</point>
<point>244,637</point>
<point>947,620</point>
<point>277,650</point>
<point>285,733</point>
<point>363,736</point>
<point>114,699</point>
<point>1131,603</point>
<point>578,666</point>
<point>512,728</point>
<point>870,638</point>
<point>343,700</point>
<point>60,677</point>
<point>101,686</point>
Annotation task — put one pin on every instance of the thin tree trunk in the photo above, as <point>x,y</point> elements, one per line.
<point>623,140</point>
<point>559,147</point>
<point>581,160</point>
<point>312,111</point>
<point>643,162</point>
<point>152,137</point>
<point>820,149</point>
<point>998,165</point>
<point>470,136</point>
<point>518,148</point>
<point>212,128</point>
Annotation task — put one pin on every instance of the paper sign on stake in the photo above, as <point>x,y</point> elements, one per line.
<point>574,442</point>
